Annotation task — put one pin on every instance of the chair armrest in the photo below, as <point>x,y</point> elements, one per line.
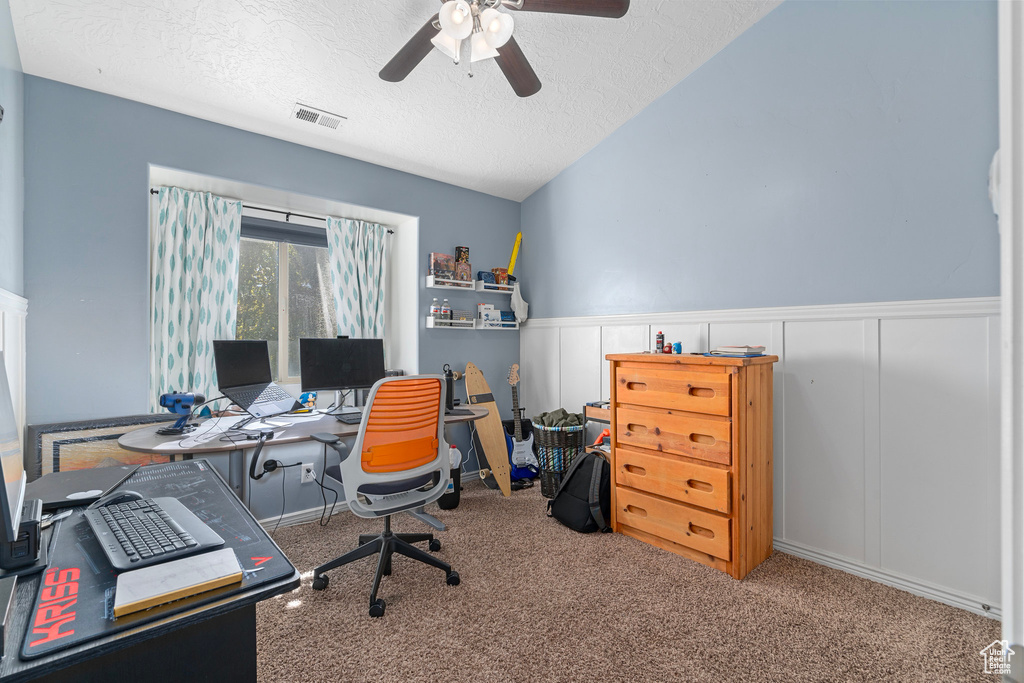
<point>332,440</point>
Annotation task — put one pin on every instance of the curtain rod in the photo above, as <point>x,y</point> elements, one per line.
<point>287,214</point>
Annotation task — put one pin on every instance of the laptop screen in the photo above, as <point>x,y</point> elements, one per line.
<point>241,362</point>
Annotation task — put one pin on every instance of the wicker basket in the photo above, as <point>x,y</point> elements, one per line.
<point>556,449</point>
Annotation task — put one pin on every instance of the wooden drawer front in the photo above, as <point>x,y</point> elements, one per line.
<point>695,392</point>
<point>702,531</point>
<point>691,483</point>
<point>705,438</point>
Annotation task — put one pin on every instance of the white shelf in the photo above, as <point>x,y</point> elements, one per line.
<point>468,325</point>
<point>460,285</point>
<point>481,286</point>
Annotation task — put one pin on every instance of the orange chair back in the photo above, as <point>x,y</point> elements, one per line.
<point>402,428</point>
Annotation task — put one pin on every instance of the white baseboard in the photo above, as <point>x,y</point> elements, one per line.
<point>906,583</point>
<point>300,516</point>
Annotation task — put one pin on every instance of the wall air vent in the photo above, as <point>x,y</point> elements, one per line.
<point>304,112</point>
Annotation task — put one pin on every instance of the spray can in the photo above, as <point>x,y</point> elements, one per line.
<point>659,342</point>
<point>449,500</point>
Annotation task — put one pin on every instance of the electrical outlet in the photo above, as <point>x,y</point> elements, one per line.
<point>308,473</point>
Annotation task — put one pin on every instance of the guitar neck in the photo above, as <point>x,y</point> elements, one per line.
<point>518,428</point>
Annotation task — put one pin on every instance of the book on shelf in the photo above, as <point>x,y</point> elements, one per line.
<point>738,351</point>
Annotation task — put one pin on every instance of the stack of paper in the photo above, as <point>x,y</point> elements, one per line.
<point>738,351</point>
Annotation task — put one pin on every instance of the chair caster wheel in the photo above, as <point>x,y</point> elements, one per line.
<point>453,579</point>
<point>435,545</point>
<point>320,582</point>
<point>377,608</point>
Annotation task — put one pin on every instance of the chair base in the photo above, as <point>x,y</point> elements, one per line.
<point>384,546</point>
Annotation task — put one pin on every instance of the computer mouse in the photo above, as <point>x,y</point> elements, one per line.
<point>116,497</point>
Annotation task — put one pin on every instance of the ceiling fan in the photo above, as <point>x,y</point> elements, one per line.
<point>476,30</point>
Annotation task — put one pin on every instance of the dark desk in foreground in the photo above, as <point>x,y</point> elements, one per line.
<point>208,637</point>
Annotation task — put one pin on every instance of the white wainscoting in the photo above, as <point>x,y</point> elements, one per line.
<point>886,427</point>
<point>13,310</point>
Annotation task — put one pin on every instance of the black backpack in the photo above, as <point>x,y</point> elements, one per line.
<point>583,500</point>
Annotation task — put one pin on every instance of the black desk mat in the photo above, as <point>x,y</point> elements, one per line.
<point>75,602</point>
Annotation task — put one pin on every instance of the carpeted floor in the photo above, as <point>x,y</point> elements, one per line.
<point>539,602</point>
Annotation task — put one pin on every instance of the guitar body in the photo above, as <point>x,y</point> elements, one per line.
<point>520,457</point>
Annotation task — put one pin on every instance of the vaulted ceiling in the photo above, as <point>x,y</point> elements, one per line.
<point>245,63</point>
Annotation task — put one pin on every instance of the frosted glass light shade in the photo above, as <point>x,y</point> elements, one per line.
<point>497,26</point>
<point>456,19</point>
<point>446,44</point>
<point>480,49</point>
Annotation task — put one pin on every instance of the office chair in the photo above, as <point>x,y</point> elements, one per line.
<point>402,451</point>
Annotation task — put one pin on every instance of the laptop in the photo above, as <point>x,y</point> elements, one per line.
<point>77,487</point>
<point>243,375</point>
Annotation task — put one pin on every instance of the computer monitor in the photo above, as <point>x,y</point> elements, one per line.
<point>340,364</point>
<point>12,466</point>
<point>241,363</point>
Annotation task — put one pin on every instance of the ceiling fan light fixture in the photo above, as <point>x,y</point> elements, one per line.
<point>456,19</point>
<point>480,50</point>
<point>497,27</point>
<point>447,45</point>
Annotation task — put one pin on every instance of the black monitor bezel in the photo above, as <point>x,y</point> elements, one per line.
<point>338,342</point>
<point>10,512</point>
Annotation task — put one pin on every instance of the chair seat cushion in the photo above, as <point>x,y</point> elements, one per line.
<point>334,472</point>
<point>396,486</point>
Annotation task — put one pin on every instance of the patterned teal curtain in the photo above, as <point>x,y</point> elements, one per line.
<point>194,264</point>
<point>358,259</point>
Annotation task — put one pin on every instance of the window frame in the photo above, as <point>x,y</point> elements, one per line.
<point>284,233</point>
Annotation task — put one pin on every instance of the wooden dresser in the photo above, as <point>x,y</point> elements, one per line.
<point>692,456</point>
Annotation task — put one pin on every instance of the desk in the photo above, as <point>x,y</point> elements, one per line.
<point>146,440</point>
<point>209,637</point>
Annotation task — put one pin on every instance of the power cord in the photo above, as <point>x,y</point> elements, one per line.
<point>324,490</point>
<point>284,498</point>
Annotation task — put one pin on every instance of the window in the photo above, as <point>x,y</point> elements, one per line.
<point>284,290</point>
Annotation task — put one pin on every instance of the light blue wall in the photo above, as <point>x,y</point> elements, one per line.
<point>86,247</point>
<point>11,158</point>
<point>835,152</point>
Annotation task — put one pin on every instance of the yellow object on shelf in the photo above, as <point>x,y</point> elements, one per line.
<point>515,253</point>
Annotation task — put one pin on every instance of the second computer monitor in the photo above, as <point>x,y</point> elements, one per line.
<point>340,364</point>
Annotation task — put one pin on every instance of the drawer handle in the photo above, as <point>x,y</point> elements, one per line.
<point>634,510</point>
<point>705,439</point>
<point>636,429</point>
<point>700,531</point>
<point>633,469</point>
<point>702,392</point>
<point>700,485</point>
<point>636,386</point>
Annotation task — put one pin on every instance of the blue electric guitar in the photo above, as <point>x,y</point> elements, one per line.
<point>520,450</point>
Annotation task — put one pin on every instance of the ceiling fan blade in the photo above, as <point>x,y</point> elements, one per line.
<point>613,9</point>
<point>411,54</point>
<point>517,70</point>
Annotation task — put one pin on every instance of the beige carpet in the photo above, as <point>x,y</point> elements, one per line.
<point>539,602</point>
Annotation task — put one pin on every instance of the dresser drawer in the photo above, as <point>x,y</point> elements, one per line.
<point>695,436</point>
<point>703,531</point>
<point>673,389</point>
<point>666,476</point>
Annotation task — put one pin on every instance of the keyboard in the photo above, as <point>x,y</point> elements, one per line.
<point>148,531</point>
<point>268,394</point>
<point>349,418</point>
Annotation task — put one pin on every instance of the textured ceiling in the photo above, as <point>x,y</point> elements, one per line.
<point>245,63</point>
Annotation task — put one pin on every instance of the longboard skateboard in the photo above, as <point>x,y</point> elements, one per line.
<point>489,429</point>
